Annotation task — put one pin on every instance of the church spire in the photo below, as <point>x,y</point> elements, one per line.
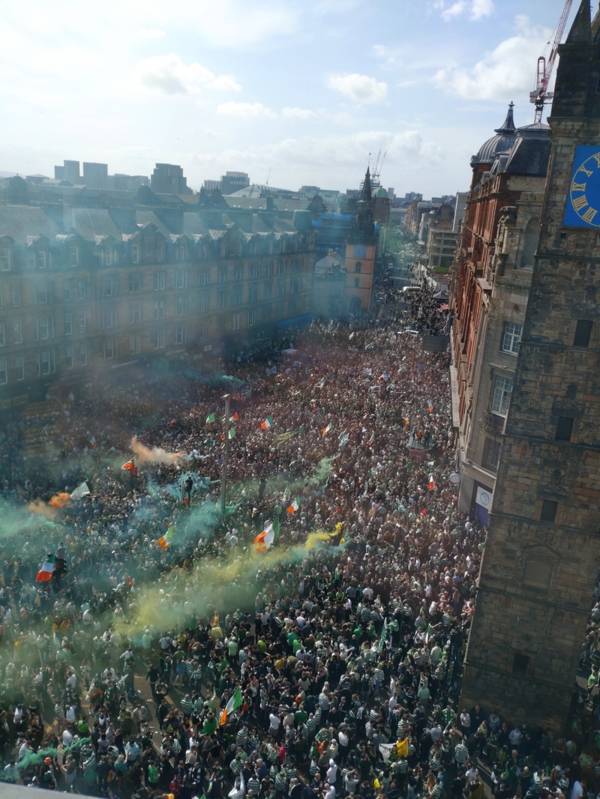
<point>581,30</point>
<point>367,191</point>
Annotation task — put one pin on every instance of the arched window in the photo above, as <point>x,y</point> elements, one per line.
<point>531,237</point>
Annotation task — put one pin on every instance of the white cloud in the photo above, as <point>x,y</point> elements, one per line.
<point>245,110</point>
<point>352,149</point>
<point>505,73</point>
<point>292,112</point>
<point>455,10</point>
<point>482,8</point>
<point>226,24</point>
<point>361,89</point>
<point>169,74</point>
<point>475,9</point>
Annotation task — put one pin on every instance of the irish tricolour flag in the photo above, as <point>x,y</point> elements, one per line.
<point>265,540</point>
<point>234,704</point>
<point>293,507</point>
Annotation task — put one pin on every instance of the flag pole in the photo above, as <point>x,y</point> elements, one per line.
<point>227,399</point>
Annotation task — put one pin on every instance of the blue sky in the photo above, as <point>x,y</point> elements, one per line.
<point>297,91</point>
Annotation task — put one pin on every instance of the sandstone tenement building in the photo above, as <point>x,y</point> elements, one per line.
<point>542,555</point>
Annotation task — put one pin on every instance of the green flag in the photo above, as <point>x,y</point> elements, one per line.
<point>210,725</point>
<point>231,434</point>
<point>211,418</point>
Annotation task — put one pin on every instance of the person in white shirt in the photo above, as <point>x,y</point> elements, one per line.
<point>332,772</point>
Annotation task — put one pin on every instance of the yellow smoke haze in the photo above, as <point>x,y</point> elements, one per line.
<point>219,584</point>
<point>157,455</point>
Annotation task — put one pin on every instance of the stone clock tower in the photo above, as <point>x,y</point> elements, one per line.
<point>542,558</point>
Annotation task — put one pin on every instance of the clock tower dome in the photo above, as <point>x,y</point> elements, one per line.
<point>542,558</point>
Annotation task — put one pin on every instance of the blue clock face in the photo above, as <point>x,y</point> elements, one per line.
<point>583,203</point>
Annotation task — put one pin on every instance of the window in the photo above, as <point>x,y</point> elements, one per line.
<point>41,259</point>
<point>17,331</point>
<point>136,313</point>
<point>46,363</point>
<point>251,318</point>
<point>221,299</point>
<point>181,281</point>
<point>520,664</point>
<point>511,337</point>
<point>549,508</point>
<point>564,428</point>
<point>204,303</point>
<point>356,282</point>
<point>19,368</point>
<point>83,289</point>
<point>204,278</point>
<point>159,309</point>
<point>158,338</point>
<point>74,256</point>
<point>109,318</point>
<point>501,391</point>
<point>180,334</point>
<point>82,355</point>
<point>3,371</point>
<point>358,268</point>
<point>83,321</point>
<point>108,256</point>
<point>44,328</point>
<point>15,295</point>
<point>159,281</point>
<point>136,281</point>
<point>2,334</point>
<point>252,293</point>
<point>583,333</point>
<point>68,324</point>
<point>136,253</point>
<point>237,273</point>
<point>181,252</point>
<point>69,358</point>
<point>236,321</point>
<point>181,304</point>
<point>42,294</point>
<point>135,344</point>
<point>5,259</point>
<point>236,296</point>
<point>253,271</point>
<point>110,286</point>
<point>222,274</point>
<point>491,454</point>
<point>109,349</point>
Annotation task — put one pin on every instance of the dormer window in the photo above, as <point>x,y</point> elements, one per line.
<point>41,259</point>
<point>109,256</point>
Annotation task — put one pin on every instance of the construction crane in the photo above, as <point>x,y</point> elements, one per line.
<point>545,67</point>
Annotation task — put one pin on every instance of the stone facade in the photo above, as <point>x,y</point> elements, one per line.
<point>491,284</point>
<point>542,555</point>
<point>72,304</point>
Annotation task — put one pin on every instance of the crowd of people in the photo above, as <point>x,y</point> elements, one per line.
<point>310,671</point>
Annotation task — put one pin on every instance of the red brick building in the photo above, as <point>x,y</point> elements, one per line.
<point>490,289</point>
